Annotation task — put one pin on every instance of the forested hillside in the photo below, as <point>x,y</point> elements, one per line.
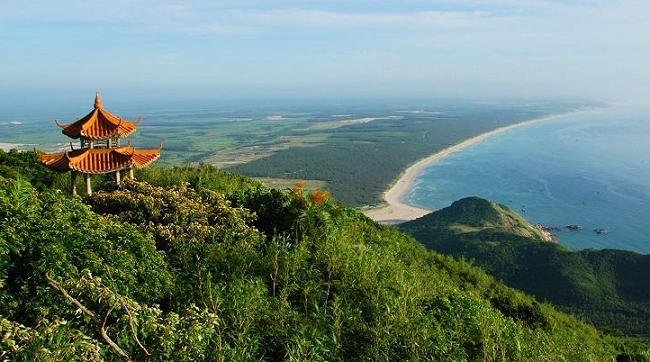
<point>610,288</point>
<point>203,265</point>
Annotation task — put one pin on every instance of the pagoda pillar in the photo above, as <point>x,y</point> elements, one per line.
<point>118,177</point>
<point>89,188</point>
<point>131,176</point>
<point>73,182</point>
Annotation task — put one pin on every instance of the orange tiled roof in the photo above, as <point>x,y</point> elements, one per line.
<point>100,160</point>
<point>99,124</point>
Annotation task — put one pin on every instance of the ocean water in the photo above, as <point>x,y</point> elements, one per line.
<point>590,169</point>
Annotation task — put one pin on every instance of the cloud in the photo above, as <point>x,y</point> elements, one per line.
<point>300,45</point>
<point>202,28</point>
<point>138,15</point>
<point>321,18</point>
<point>227,16</point>
<point>190,20</point>
<point>177,11</point>
<point>69,10</point>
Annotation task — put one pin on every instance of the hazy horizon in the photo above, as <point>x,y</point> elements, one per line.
<point>358,49</point>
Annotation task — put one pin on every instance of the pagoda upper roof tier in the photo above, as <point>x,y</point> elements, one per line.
<point>99,124</point>
<point>100,160</point>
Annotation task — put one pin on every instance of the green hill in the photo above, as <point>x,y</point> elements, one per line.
<point>611,288</point>
<point>473,214</point>
<point>203,265</point>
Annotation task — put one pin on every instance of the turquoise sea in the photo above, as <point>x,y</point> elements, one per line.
<point>590,169</point>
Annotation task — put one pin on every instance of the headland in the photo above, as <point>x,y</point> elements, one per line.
<point>395,211</point>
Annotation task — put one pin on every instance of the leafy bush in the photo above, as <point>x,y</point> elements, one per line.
<point>50,232</point>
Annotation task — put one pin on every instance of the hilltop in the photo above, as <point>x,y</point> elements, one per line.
<point>192,264</point>
<point>611,288</point>
<point>474,215</point>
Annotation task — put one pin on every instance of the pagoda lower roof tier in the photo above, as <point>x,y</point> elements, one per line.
<point>100,160</point>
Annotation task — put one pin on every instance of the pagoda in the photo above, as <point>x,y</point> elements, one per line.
<point>100,151</point>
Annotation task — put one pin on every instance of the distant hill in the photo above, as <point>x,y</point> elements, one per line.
<point>611,288</point>
<point>474,215</point>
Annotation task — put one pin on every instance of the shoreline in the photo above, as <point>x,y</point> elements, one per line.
<point>394,211</point>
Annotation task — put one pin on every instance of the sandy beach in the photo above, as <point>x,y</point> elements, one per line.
<point>394,211</point>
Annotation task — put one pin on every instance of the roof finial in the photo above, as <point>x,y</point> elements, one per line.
<point>98,101</point>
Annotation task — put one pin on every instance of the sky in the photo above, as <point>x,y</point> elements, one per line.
<point>336,49</point>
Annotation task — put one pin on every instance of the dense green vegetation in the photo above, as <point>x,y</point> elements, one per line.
<point>610,288</point>
<point>24,165</point>
<point>204,265</point>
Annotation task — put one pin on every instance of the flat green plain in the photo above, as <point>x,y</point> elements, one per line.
<point>356,149</point>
